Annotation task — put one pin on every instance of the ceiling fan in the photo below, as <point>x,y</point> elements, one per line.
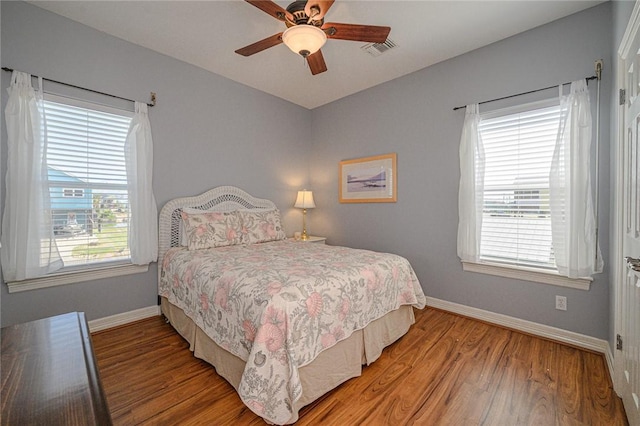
<point>307,32</point>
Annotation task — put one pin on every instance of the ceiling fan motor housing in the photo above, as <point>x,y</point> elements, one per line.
<point>296,9</point>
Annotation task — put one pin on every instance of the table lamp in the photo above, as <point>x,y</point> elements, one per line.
<point>304,202</point>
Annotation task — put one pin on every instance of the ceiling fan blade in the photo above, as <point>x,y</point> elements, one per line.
<point>261,45</point>
<point>322,5</point>
<point>271,8</point>
<point>354,32</point>
<point>316,63</point>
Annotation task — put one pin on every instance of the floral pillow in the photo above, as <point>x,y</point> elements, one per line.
<point>261,226</point>
<point>212,229</point>
<point>182,229</point>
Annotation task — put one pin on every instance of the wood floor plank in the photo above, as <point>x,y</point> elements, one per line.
<point>369,400</point>
<point>599,408</point>
<point>509,393</point>
<point>196,404</point>
<point>570,398</point>
<point>446,370</point>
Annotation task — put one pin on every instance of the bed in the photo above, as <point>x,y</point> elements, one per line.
<point>282,321</point>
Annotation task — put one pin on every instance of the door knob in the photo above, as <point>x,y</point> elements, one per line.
<point>633,263</point>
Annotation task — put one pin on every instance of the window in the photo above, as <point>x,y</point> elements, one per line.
<point>516,219</point>
<point>87,181</point>
<point>79,204</point>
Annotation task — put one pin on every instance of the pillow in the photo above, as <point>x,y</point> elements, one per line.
<point>261,226</point>
<point>211,229</point>
<point>182,232</point>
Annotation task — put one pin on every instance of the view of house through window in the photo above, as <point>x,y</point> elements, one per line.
<point>87,181</point>
<point>516,221</point>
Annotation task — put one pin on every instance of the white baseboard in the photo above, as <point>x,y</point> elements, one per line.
<point>553,333</point>
<point>123,318</point>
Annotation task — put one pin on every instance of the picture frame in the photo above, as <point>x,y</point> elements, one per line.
<point>369,179</point>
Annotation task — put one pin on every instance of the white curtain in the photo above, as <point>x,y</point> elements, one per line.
<point>573,220</point>
<point>470,193</point>
<point>143,221</point>
<point>28,244</point>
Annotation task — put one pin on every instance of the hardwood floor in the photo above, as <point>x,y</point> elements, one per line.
<point>448,370</point>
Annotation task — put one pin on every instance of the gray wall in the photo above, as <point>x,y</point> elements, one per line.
<point>207,131</point>
<point>413,117</point>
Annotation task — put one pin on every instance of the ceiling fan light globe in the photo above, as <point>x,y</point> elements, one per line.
<point>303,39</point>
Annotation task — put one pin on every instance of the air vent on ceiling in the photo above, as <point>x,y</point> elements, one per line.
<point>377,49</point>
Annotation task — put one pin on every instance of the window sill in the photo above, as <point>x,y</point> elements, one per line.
<point>537,276</point>
<point>55,280</point>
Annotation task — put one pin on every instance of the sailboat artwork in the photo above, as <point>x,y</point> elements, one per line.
<point>369,179</point>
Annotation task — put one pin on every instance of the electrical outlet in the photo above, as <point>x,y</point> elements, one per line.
<point>561,303</point>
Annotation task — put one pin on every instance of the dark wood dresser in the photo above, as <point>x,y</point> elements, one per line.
<point>49,374</point>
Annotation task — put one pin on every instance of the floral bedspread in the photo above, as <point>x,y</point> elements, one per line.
<point>278,305</point>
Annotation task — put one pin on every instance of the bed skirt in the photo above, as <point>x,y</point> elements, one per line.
<point>331,368</point>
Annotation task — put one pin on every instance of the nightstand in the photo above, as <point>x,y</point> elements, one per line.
<point>312,239</point>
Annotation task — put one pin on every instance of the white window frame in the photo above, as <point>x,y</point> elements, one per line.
<point>73,275</point>
<point>525,273</point>
<point>70,277</point>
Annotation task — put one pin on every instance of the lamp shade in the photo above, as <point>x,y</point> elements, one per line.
<point>305,200</point>
<point>304,39</point>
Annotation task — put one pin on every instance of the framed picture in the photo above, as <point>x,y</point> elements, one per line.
<point>369,180</point>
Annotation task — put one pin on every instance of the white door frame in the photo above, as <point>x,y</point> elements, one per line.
<point>618,271</point>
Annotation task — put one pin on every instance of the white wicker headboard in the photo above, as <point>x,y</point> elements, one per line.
<point>222,198</point>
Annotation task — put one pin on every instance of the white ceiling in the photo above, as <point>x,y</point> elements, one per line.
<point>206,34</point>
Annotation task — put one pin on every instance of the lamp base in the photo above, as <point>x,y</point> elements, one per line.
<point>304,236</point>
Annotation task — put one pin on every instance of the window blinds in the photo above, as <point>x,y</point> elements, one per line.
<point>516,227</point>
<point>87,180</point>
